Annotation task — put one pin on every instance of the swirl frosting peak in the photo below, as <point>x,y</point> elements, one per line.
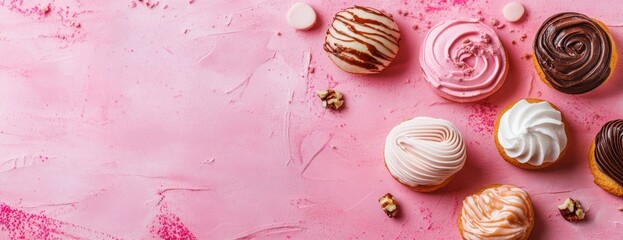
<point>573,52</point>
<point>532,133</point>
<point>609,150</point>
<point>424,151</point>
<point>499,212</point>
<point>463,60</point>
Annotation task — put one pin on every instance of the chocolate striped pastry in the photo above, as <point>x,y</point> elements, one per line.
<point>362,40</point>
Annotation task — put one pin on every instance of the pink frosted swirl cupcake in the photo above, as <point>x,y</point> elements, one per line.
<point>501,212</point>
<point>463,60</point>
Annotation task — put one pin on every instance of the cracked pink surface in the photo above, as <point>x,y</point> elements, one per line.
<point>198,120</point>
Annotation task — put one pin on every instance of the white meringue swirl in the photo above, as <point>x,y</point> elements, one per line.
<point>424,151</point>
<point>532,133</point>
<point>500,212</point>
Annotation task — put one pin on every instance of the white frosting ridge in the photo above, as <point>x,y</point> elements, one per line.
<point>532,133</point>
<point>501,212</point>
<point>362,40</point>
<point>424,151</point>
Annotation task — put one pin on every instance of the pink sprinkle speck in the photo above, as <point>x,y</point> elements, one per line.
<point>432,9</point>
<point>459,2</point>
<point>436,6</point>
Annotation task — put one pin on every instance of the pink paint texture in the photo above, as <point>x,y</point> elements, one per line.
<point>198,120</point>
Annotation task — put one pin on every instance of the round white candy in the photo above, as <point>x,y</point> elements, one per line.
<point>301,16</point>
<point>513,11</point>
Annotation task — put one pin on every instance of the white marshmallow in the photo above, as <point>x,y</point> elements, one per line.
<point>513,11</point>
<point>301,16</point>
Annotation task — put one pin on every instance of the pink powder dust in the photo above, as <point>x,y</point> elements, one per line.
<point>436,6</point>
<point>22,225</point>
<point>168,226</point>
<point>482,117</point>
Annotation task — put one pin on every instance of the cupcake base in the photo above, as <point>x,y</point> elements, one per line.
<point>424,188</point>
<point>514,161</point>
<point>601,179</point>
<point>460,223</point>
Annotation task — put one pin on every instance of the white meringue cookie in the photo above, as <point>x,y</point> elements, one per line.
<point>532,133</point>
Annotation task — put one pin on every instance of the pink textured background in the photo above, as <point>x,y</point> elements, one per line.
<point>198,120</point>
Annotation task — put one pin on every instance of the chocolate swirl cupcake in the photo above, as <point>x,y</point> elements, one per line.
<point>574,54</point>
<point>606,157</point>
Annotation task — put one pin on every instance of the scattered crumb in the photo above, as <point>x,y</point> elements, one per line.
<point>621,209</point>
<point>527,56</point>
<point>523,37</point>
<point>311,69</point>
<point>500,26</point>
<point>405,13</point>
<point>333,147</point>
<point>514,42</point>
<point>146,3</point>
<point>75,24</point>
<point>512,30</point>
<point>494,22</point>
<point>415,27</point>
<point>389,205</point>
<point>331,99</point>
<point>46,9</point>
<point>572,210</point>
<point>278,33</point>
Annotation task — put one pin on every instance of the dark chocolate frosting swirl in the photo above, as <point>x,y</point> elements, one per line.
<point>574,52</point>
<point>609,150</point>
